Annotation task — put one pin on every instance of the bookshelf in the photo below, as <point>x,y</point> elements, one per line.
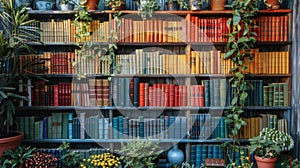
<point>161,53</point>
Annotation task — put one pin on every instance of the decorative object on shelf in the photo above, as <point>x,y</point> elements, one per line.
<point>196,4</point>
<point>269,145</point>
<point>15,158</point>
<point>44,4</point>
<point>273,4</point>
<point>175,155</point>
<point>265,162</point>
<point>147,7</point>
<point>139,153</point>
<point>16,30</point>
<point>217,4</point>
<point>91,4</point>
<point>176,4</point>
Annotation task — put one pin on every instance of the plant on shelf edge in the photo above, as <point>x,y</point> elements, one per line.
<point>17,29</point>
<point>147,7</point>
<point>140,153</point>
<point>241,40</point>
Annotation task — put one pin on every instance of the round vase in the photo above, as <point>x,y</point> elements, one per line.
<point>265,162</point>
<point>217,4</point>
<point>274,4</point>
<point>175,155</point>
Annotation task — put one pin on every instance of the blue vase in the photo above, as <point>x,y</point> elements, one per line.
<point>175,155</point>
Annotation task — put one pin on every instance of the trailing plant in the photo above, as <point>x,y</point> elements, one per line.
<point>147,7</point>
<point>16,157</point>
<point>140,153</point>
<point>82,22</point>
<point>242,38</point>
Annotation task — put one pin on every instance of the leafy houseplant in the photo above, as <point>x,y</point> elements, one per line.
<point>147,7</point>
<point>16,30</point>
<point>140,153</point>
<point>17,157</point>
<point>269,144</point>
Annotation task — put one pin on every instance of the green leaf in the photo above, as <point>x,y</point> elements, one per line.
<point>236,20</point>
<point>229,54</point>
<point>242,40</point>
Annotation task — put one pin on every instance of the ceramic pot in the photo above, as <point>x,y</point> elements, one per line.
<point>265,162</point>
<point>172,5</point>
<point>274,4</point>
<point>11,142</point>
<point>91,4</point>
<point>175,155</point>
<point>217,4</point>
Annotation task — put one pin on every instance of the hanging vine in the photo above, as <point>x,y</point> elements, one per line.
<point>242,38</point>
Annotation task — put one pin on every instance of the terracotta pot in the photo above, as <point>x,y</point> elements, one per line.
<point>92,4</point>
<point>274,4</point>
<point>265,162</point>
<point>11,142</point>
<point>217,4</point>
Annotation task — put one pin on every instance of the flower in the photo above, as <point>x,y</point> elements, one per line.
<point>105,160</point>
<point>270,143</point>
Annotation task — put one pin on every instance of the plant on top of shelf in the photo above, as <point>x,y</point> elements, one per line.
<point>17,29</point>
<point>241,40</point>
<point>175,4</point>
<point>115,4</point>
<point>147,7</point>
<point>140,153</point>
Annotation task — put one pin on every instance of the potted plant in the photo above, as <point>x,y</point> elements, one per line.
<point>139,153</point>
<point>268,145</point>
<point>175,4</point>
<point>16,157</point>
<point>16,30</point>
<point>147,7</point>
<point>217,4</point>
<point>273,4</point>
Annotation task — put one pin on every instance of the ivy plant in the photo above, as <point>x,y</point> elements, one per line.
<point>241,40</point>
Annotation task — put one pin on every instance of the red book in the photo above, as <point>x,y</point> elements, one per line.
<point>201,93</point>
<point>184,95</point>
<point>142,95</point>
<point>172,95</point>
<point>105,92</point>
<point>55,95</point>
<point>151,101</point>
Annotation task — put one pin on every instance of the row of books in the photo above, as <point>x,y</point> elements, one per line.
<point>201,126</point>
<point>276,94</point>
<point>94,92</point>
<point>199,153</point>
<point>145,62</point>
<point>255,124</point>
<point>196,29</point>
<point>205,126</point>
<point>129,92</point>
<point>63,63</point>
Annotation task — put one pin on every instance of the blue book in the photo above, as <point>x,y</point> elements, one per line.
<point>260,93</point>
<point>141,127</point>
<point>193,155</point>
<point>70,125</point>
<point>125,127</point>
<point>204,154</point>
<point>127,102</point>
<point>115,127</point>
<point>215,151</point>
<point>106,125</point>
<point>45,130</point>
<point>122,91</point>
<point>210,151</point>
<point>171,127</point>
<point>222,127</point>
<point>120,126</point>
<point>183,128</point>
<point>198,155</point>
<point>101,128</point>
